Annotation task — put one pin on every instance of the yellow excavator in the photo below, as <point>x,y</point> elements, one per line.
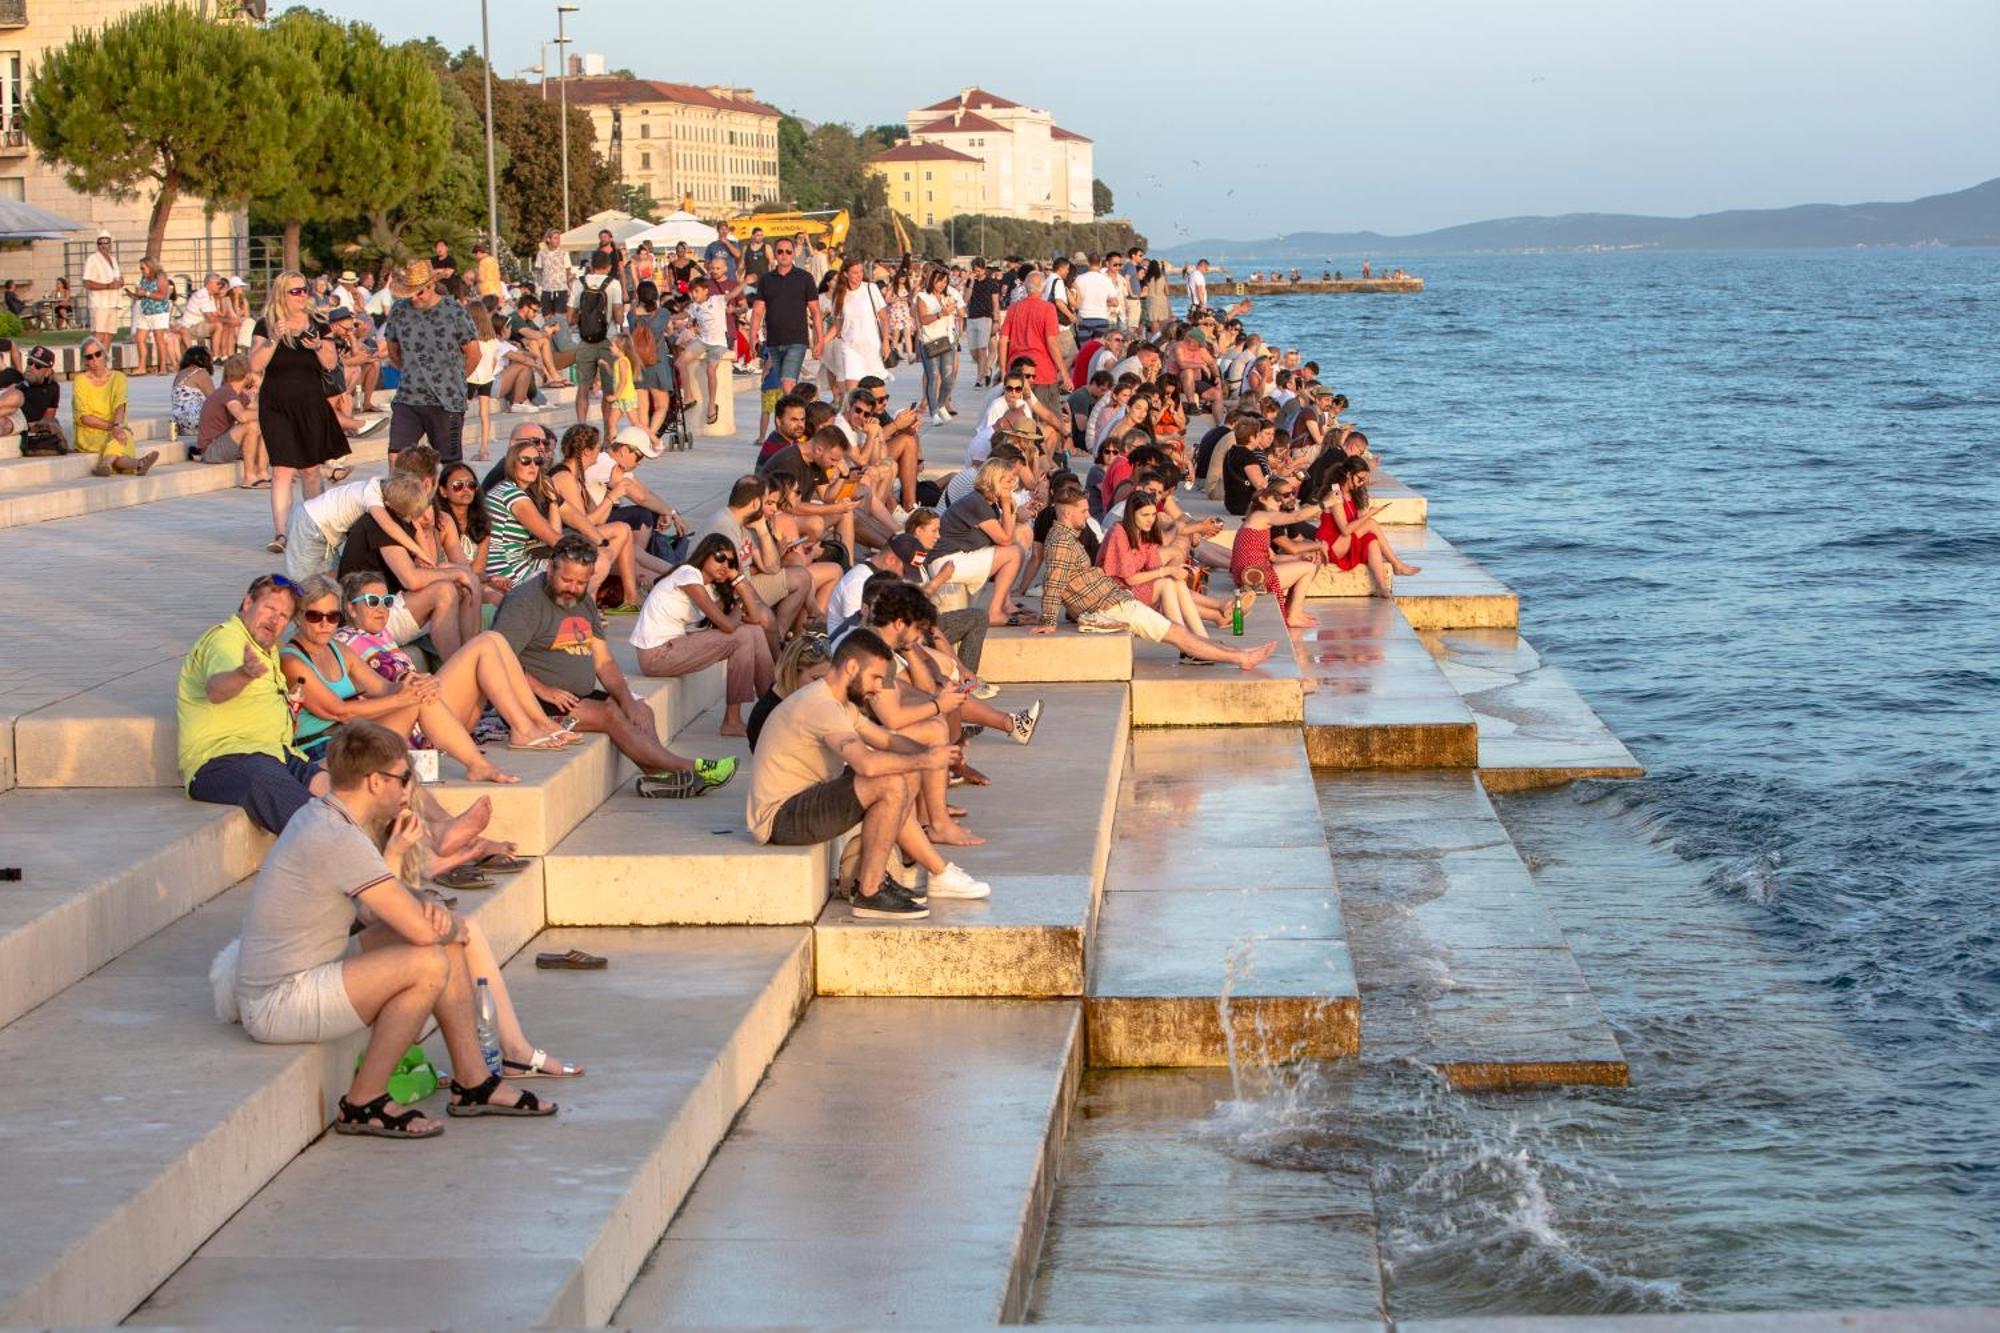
<point>827,230</point>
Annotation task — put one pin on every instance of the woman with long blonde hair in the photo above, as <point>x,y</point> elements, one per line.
<point>293,354</point>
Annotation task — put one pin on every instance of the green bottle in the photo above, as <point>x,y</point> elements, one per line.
<point>1236,617</point>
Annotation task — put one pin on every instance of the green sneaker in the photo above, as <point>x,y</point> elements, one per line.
<point>715,772</point>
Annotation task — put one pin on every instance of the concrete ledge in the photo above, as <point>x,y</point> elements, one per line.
<point>1535,730</point>
<point>1012,656</point>
<point>144,428</point>
<point>640,862</point>
<point>18,474</point>
<point>548,1221</point>
<point>101,871</point>
<point>186,1118</point>
<point>1378,699</point>
<point>1048,834</point>
<point>937,1220</point>
<point>1167,694</point>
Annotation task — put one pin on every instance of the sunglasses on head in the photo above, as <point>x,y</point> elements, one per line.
<point>320,617</point>
<point>375,599</point>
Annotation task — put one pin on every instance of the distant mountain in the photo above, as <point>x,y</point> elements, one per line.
<point>1967,217</point>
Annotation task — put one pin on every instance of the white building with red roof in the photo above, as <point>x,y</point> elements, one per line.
<point>1031,167</point>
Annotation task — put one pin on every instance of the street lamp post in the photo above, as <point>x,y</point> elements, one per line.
<point>562,55</point>
<point>492,190</point>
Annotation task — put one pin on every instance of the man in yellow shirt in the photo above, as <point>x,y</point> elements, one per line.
<point>485,271</point>
<point>235,720</point>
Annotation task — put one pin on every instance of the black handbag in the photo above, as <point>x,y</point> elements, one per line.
<point>937,349</point>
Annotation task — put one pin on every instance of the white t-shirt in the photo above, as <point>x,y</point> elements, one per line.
<point>103,268</point>
<point>1131,365</point>
<point>614,298</point>
<point>379,303</point>
<point>1094,295</point>
<point>490,352</point>
<point>199,307</point>
<point>982,434</point>
<point>597,478</point>
<point>711,320</point>
<point>669,612</point>
<point>339,508</point>
<point>1197,288</point>
<point>844,603</point>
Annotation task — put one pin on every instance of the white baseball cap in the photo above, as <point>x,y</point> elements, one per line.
<point>639,438</point>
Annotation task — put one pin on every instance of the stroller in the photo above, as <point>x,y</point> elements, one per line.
<point>675,434</point>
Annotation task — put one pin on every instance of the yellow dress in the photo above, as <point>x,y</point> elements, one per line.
<point>624,394</point>
<point>102,401</point>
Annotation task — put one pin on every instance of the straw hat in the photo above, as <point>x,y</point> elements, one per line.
<point>412,278</point>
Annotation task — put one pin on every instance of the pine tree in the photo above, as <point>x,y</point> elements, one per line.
<point>163,98</point>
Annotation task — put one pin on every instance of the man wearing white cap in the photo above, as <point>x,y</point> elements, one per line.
<point>615,473</point>
<point>104,281</point>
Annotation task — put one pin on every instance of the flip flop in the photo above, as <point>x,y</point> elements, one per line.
<point>555,740</point>
<point>500,863</point>
<point>463,877</point>
<point>574,960</point>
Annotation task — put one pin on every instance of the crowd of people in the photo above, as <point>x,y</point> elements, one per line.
<point>448,609</point>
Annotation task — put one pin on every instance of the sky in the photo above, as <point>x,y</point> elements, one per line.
<point>1390,115</point>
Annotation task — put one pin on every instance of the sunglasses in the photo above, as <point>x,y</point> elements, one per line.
<point>375,599</point>
<point>93,356</point>
<point>461,485</point>
<point>787,250</point>
<point>1014,388</point>
<point>295,291</point>
<point>402,778</point>
<point>527,460</point>
<point>320,617</point>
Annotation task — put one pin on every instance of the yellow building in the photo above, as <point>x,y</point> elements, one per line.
<point>929,182</point>
<point>196,242</point>
<point>716,143</point>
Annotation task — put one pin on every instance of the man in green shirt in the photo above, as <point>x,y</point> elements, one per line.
<point>235,721</point>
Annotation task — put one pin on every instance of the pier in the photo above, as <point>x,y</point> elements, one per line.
<point>1219,285</point>
<point>1193,870</point>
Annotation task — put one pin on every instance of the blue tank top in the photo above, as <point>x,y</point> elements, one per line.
<point>311,732</point>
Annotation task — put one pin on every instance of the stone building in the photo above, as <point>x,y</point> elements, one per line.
<point>196,240</point>
<point>716,143</point>
<point>1032,167</point>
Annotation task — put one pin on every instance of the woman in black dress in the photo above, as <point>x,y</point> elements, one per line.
<point>293,354</point>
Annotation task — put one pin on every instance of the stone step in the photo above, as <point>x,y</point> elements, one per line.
<point>1404,507</point>
<point>1170,1215</point>
<point>1047,821</point>
<point>1453,592</point>
<point>101,871</point>
<point>19,474</point>
<point>521,1222</point>
<point>73,496</point>
<point>1462,965</point>
<point>123,734</point>
<point>145,428</point>
<point>1220,933</point>
<point>147,1123</point>
<point>1378,699</point>
<point>1535,730</point>
<point>641,862</point>
<point>1014,656</point>
<point>1167,694</point>
<point>894,1169</point>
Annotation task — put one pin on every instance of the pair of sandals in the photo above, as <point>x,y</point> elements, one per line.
<point>479,874</point>
<point>372,1119</point>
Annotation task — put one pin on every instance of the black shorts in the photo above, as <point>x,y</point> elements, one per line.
<point>553,711</point>
<point>818,814</point>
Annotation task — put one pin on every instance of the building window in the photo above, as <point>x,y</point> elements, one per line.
<point>10,92</point>
<point>927,175</point>
<point>14,189</point>
<point>645,161</point>
<point>645,131</point>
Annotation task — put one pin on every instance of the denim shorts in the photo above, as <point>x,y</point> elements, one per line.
<point>787,362</point>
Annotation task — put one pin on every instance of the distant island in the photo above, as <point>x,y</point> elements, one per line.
<point>1966,217</point>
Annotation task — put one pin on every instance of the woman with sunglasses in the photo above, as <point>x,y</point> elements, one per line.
<point>805,660</point>
<point>464,529</point>
<point>521,510</point>
<point>333,684</point>
<point>795,546</point>
<point>152,318</point>
<point>100,416</point>
<point>706,612</point>
<point>483,671</point>
<point>293,354</point>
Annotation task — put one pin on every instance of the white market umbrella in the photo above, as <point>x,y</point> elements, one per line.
<point>672,230</point>
<point>583,236</point>
<point>25,222</point>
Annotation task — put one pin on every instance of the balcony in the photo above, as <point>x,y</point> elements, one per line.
<point>13,13</point>
<point>14,143</point>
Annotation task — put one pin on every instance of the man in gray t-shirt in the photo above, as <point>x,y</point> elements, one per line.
<point>555,629</point>
<point>430,339</point>
<point>296,980</point>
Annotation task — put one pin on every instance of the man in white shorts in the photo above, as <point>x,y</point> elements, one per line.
<point>1102,605</point>
<point>298,977</point>
<point>320,523</point>
<point>104,289</point>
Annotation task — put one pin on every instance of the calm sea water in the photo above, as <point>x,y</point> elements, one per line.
<point>1750,502</point>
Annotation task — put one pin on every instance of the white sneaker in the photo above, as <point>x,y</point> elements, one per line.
<point>523,409</point>
<point>900,514</point>
<point>951,882</point>
<point>939,419</point>
<point>1023,723</point>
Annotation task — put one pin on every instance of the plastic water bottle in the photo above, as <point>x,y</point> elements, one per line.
<point>489,1032</point>
<point>1236,616</point>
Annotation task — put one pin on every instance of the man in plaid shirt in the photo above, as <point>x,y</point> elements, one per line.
<point>1102,605</point>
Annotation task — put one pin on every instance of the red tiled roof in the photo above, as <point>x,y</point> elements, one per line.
<point>922,152</point>
<point>976,98</point>
<point>1058,132</point>
<point>606,91</point>
<point>963,124</point>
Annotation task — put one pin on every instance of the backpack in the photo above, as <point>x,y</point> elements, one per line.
<point>645,347</point>
<point>593,318</point>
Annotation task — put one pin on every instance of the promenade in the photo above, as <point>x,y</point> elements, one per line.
<point>790,1116</point>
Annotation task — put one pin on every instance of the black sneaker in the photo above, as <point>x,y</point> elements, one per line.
<point>889,903</point>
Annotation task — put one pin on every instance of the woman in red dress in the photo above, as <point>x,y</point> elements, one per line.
<point>1349,530</point>
<point>1252,564</point>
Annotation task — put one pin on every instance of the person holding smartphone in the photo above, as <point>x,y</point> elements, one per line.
<point>1351,532</point>
<point>292,355</point>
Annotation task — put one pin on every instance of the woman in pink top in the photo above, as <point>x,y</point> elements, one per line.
<point>1153,570</point>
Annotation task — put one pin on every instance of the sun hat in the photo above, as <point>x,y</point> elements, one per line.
<point>349,275</point>
<point>413,277</point>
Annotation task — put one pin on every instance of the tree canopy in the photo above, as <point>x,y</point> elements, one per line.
<point>117,108</point>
